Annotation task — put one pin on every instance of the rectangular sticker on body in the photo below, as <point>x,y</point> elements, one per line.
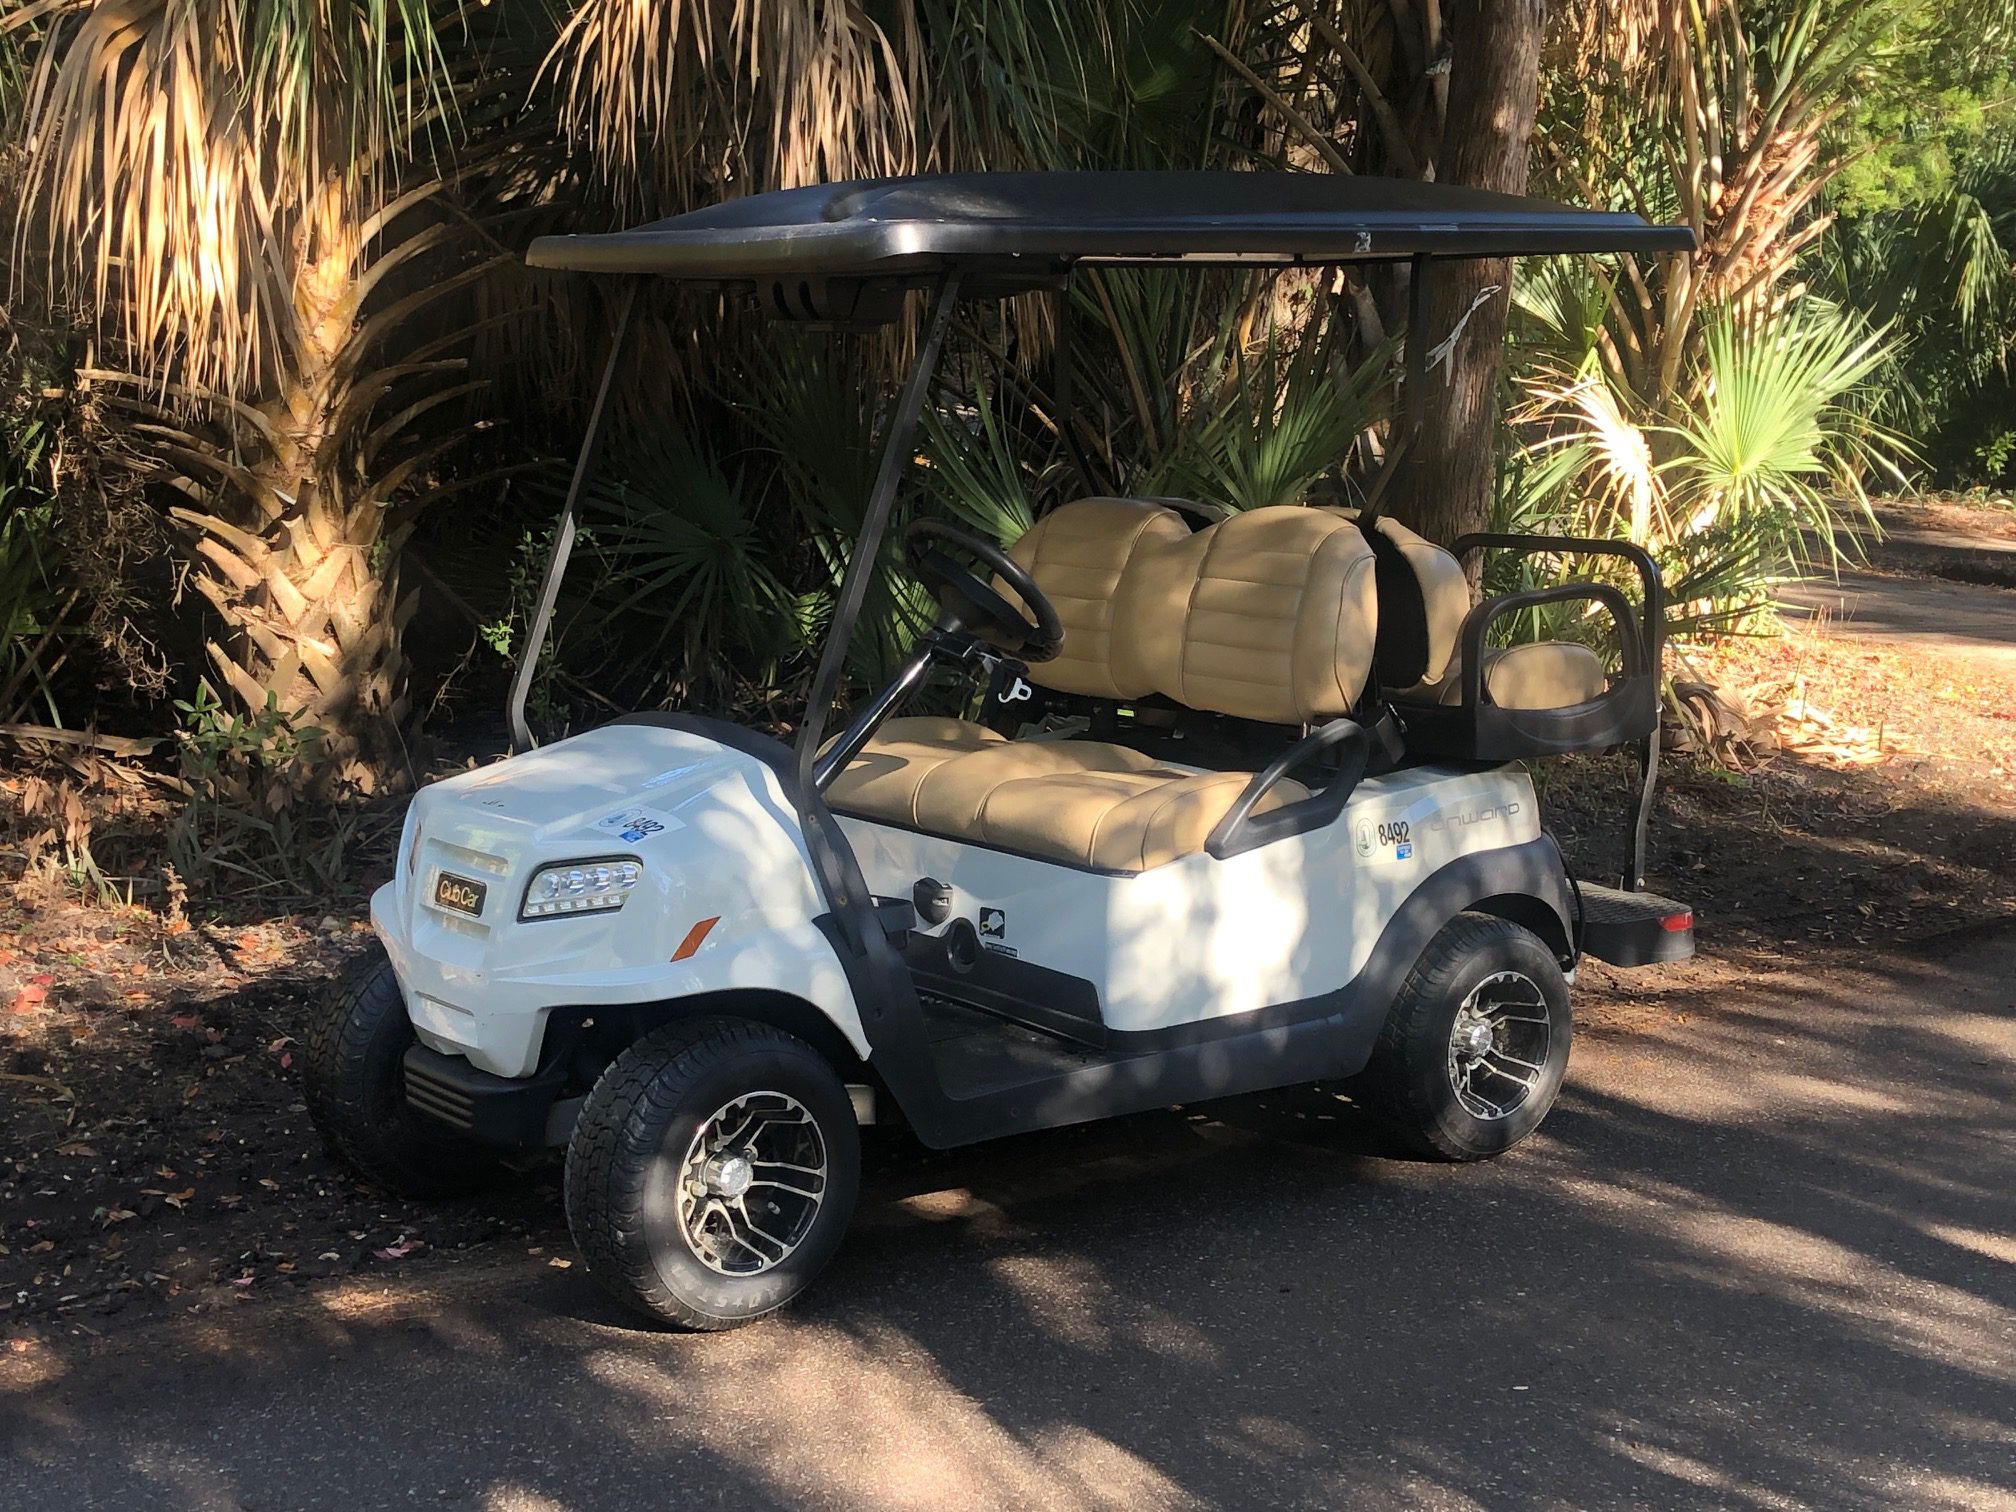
<point>1385,839</point>
<point>636,825</point>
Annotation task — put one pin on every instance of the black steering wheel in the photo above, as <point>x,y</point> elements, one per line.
<point>975,606</point>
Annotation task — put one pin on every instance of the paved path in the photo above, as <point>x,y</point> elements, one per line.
<point>1764,1255</point>
<point>1929,612</point>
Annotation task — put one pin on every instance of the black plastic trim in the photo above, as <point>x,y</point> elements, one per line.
<point>1651,581</point>
<point>1487,733</point>
<point>1629,928</point>
<point>1474,730</point>
<point>1242,830</point>
<point>1023,992</point>
<point>491,1109</point>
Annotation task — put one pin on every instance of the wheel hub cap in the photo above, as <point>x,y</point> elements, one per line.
<point>1474,1039</point>
<point>751,1183</point>
<point>1499,1045</point>
<point>728,1175</point>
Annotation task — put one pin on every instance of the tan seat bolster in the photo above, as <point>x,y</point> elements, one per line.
<point>1117,821</point>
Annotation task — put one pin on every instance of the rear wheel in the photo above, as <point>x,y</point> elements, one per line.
<point>712,1172</point>
<point>1475,1046</point>
<point>353,1075</point>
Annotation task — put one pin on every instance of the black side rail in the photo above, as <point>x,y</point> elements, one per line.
<point>1242,830</point>
<point>1649,576</point>
<point>1479,621</point>
<point>1650,650</point>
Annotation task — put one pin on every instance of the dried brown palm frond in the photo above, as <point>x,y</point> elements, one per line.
<point>168,143</point>
<point>259,195</point>
<point>672,97</point>
<point>1629,39</point>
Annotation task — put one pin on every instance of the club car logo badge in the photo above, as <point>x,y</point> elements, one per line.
<point>459,893</point>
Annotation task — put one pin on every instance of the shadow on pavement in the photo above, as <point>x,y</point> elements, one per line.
<point>1761,1256</point>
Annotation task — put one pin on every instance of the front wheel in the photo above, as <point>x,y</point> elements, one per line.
<point>712,1172</point>
<point>353,1075</point>
<point>1475,1046</point>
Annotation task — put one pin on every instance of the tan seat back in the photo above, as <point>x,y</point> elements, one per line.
<point>1078,554</point>
<point>1423,600</point>
<point>1269,615</point>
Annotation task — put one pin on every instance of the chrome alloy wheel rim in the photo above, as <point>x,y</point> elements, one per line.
<point>751,1184</point>
<point>1498,1045</point>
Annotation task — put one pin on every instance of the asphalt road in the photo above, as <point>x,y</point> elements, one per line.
<point>1763,1255</point>
<point>1908,612</point>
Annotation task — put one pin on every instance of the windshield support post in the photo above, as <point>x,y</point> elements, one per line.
<point>564,531</point>
<point>1417,348</point>
<point>861,566</point>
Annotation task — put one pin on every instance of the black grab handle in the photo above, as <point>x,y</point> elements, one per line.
<point>1636,659</point>
<point>1653,581</point>
<point>1241,830</point>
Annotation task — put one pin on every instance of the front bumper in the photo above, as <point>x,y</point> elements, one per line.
<point>519,1114</point>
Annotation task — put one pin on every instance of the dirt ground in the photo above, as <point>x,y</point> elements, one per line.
<point>156,1156</point>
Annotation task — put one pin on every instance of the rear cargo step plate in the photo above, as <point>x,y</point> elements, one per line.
<point>1634,928</point>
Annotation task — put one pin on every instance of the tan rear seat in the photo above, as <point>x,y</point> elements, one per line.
<point>1421,622</point>
<point>1543,675</point>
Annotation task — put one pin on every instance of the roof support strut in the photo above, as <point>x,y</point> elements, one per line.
<point>565,529</point>
<point>896,454</point>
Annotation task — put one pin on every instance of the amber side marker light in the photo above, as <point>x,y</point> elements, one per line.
<point>695,937</point>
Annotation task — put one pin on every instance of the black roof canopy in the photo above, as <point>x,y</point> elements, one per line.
<point>1032,227</point>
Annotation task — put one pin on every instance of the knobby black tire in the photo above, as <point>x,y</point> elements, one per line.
<point>1406,1082</point>
<point>671,1078</point>
<point>352,1077</point>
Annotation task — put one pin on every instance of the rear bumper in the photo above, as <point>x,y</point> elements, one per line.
<point>518,1114</point>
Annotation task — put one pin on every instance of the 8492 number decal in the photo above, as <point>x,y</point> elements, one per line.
<point>1385,840</point>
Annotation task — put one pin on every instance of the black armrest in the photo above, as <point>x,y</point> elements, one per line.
<point>1649,576</point>
<point>1241,830</point>
<point>1479,621</point>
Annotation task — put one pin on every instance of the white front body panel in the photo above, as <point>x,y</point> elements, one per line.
<point>719,841</point>
<point>1205,939</point>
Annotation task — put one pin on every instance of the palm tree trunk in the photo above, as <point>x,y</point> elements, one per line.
<point>1494,85</point>
<point>304,573</point>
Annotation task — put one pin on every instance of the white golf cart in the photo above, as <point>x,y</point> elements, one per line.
<point>1240,809</point>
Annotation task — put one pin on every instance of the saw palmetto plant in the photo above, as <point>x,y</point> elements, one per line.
<point>289,228</point>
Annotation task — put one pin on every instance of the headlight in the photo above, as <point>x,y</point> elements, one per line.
<point>574,887</point>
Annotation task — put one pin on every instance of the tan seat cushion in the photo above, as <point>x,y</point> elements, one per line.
<point>1084,803</point>
<point>1544,675</point>
<point>882,782</point>
<point>1078,553</point>
<point>1268,615</point>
